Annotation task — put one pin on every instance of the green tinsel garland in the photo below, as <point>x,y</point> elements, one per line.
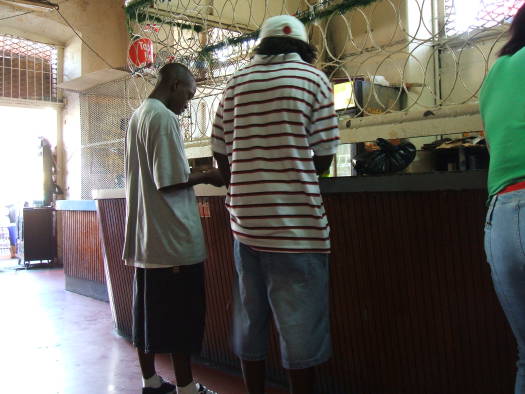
<point>320,11</point>
<point>143,17</point>
<point>134,12</point>
<point>306,17</point>
<point>136,5</point>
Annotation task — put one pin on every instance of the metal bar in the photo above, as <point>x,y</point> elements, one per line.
<point>42,77</point>
<point>50,82</point>
<point>19,76</point>
<point>436,23</point>
<point>11,71</point>
<point>36,5</point>
<point>3,71</point>
<point>7,101</point>
<point>210,20</point>
<point>28,75</point>
<point>34,78</point>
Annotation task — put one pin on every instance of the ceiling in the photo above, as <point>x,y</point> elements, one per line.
<point>42,26</point>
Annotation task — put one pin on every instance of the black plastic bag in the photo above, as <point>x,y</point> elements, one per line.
<point>389,158</point>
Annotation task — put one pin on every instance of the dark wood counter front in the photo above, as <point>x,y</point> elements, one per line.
<point>80,249</point>
<point>413,308</point>
<point>112,216</point>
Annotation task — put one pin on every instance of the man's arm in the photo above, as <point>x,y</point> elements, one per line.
<point>212,177</point>
<point>224,167</point>
<point>322,163</point>
<point>323,134</point>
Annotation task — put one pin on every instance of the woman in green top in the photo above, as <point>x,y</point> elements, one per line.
<point>502,106</point>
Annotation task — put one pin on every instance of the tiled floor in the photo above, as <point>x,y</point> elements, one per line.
<point>54,341</point>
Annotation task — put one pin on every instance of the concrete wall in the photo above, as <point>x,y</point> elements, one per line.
<point>71,122</point>
<point>389,38</point>
<point>101,23</point>
<point>464,66</point>
<point>394,39</point>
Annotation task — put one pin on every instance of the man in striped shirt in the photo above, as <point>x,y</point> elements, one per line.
<point>275,131</point>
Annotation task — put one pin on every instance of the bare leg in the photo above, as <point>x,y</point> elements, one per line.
<point>254,376</point>
<point>301,380</point>
<point>182,368</point>
<point>147,363</point>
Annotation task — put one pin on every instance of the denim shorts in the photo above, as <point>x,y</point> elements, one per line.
<point>293,287</point>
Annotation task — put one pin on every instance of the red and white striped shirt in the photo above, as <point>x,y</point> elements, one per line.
<point>275,114</point>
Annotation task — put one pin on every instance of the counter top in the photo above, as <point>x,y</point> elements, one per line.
<point>200,190</point>
<point>75,205</point>
<point>102,194</point>
<point>435,181</point>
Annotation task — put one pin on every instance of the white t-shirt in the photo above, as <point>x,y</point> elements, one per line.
<point>162,230</point>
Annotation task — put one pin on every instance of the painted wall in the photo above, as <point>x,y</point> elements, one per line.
<point>463,67</point>
<point>70,158</point>
<point>389,38</point>
<point>101,24</point>
<point>393,38</point>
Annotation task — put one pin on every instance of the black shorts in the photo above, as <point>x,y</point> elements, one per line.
<point>169,309</point>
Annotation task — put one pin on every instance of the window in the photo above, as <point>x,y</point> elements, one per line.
<point>344,95</point>
<point>465,15</point>
<point>28,70</point>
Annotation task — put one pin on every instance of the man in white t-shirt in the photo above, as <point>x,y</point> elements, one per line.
<point>164,239</point>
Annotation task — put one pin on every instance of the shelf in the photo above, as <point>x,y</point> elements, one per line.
<point>436,121</point>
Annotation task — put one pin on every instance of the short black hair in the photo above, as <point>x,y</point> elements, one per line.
<point>282,45</point>
<point>517,34</point>
<point>174,71</point>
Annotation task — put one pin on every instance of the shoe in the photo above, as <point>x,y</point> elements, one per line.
<point>165,388</point>
<point>203,390</point>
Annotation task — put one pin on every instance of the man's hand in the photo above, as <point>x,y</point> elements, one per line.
<point>214,177</point>
<point>322,163</point>
<point>224,166</point>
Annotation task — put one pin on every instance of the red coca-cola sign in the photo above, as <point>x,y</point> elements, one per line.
<point>141,52</point>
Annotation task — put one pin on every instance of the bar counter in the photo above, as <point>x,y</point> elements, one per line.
<point>79,248</point>
<point>412,305</point>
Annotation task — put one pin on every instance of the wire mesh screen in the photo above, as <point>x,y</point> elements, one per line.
<point>28,70</point>
<point>104,113</point>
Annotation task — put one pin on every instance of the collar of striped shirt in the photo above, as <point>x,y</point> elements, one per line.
<point>267,59</point>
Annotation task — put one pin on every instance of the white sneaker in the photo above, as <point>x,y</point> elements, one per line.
<point>203,390</point>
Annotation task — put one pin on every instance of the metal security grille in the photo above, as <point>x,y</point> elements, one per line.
<point>394,55</point>
<point>412,54</point>
<point>28,70</point>
<point>467,15</point>
<point>104,113</point>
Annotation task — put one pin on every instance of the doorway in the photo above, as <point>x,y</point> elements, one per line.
<point>21,167</point>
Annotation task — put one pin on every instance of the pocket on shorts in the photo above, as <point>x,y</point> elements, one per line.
<point>521,226</point>
<point>488,228</point>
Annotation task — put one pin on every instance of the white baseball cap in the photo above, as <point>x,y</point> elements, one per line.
<point>283,26</point>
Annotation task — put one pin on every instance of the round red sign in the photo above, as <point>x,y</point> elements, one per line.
<point>141,52</point>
